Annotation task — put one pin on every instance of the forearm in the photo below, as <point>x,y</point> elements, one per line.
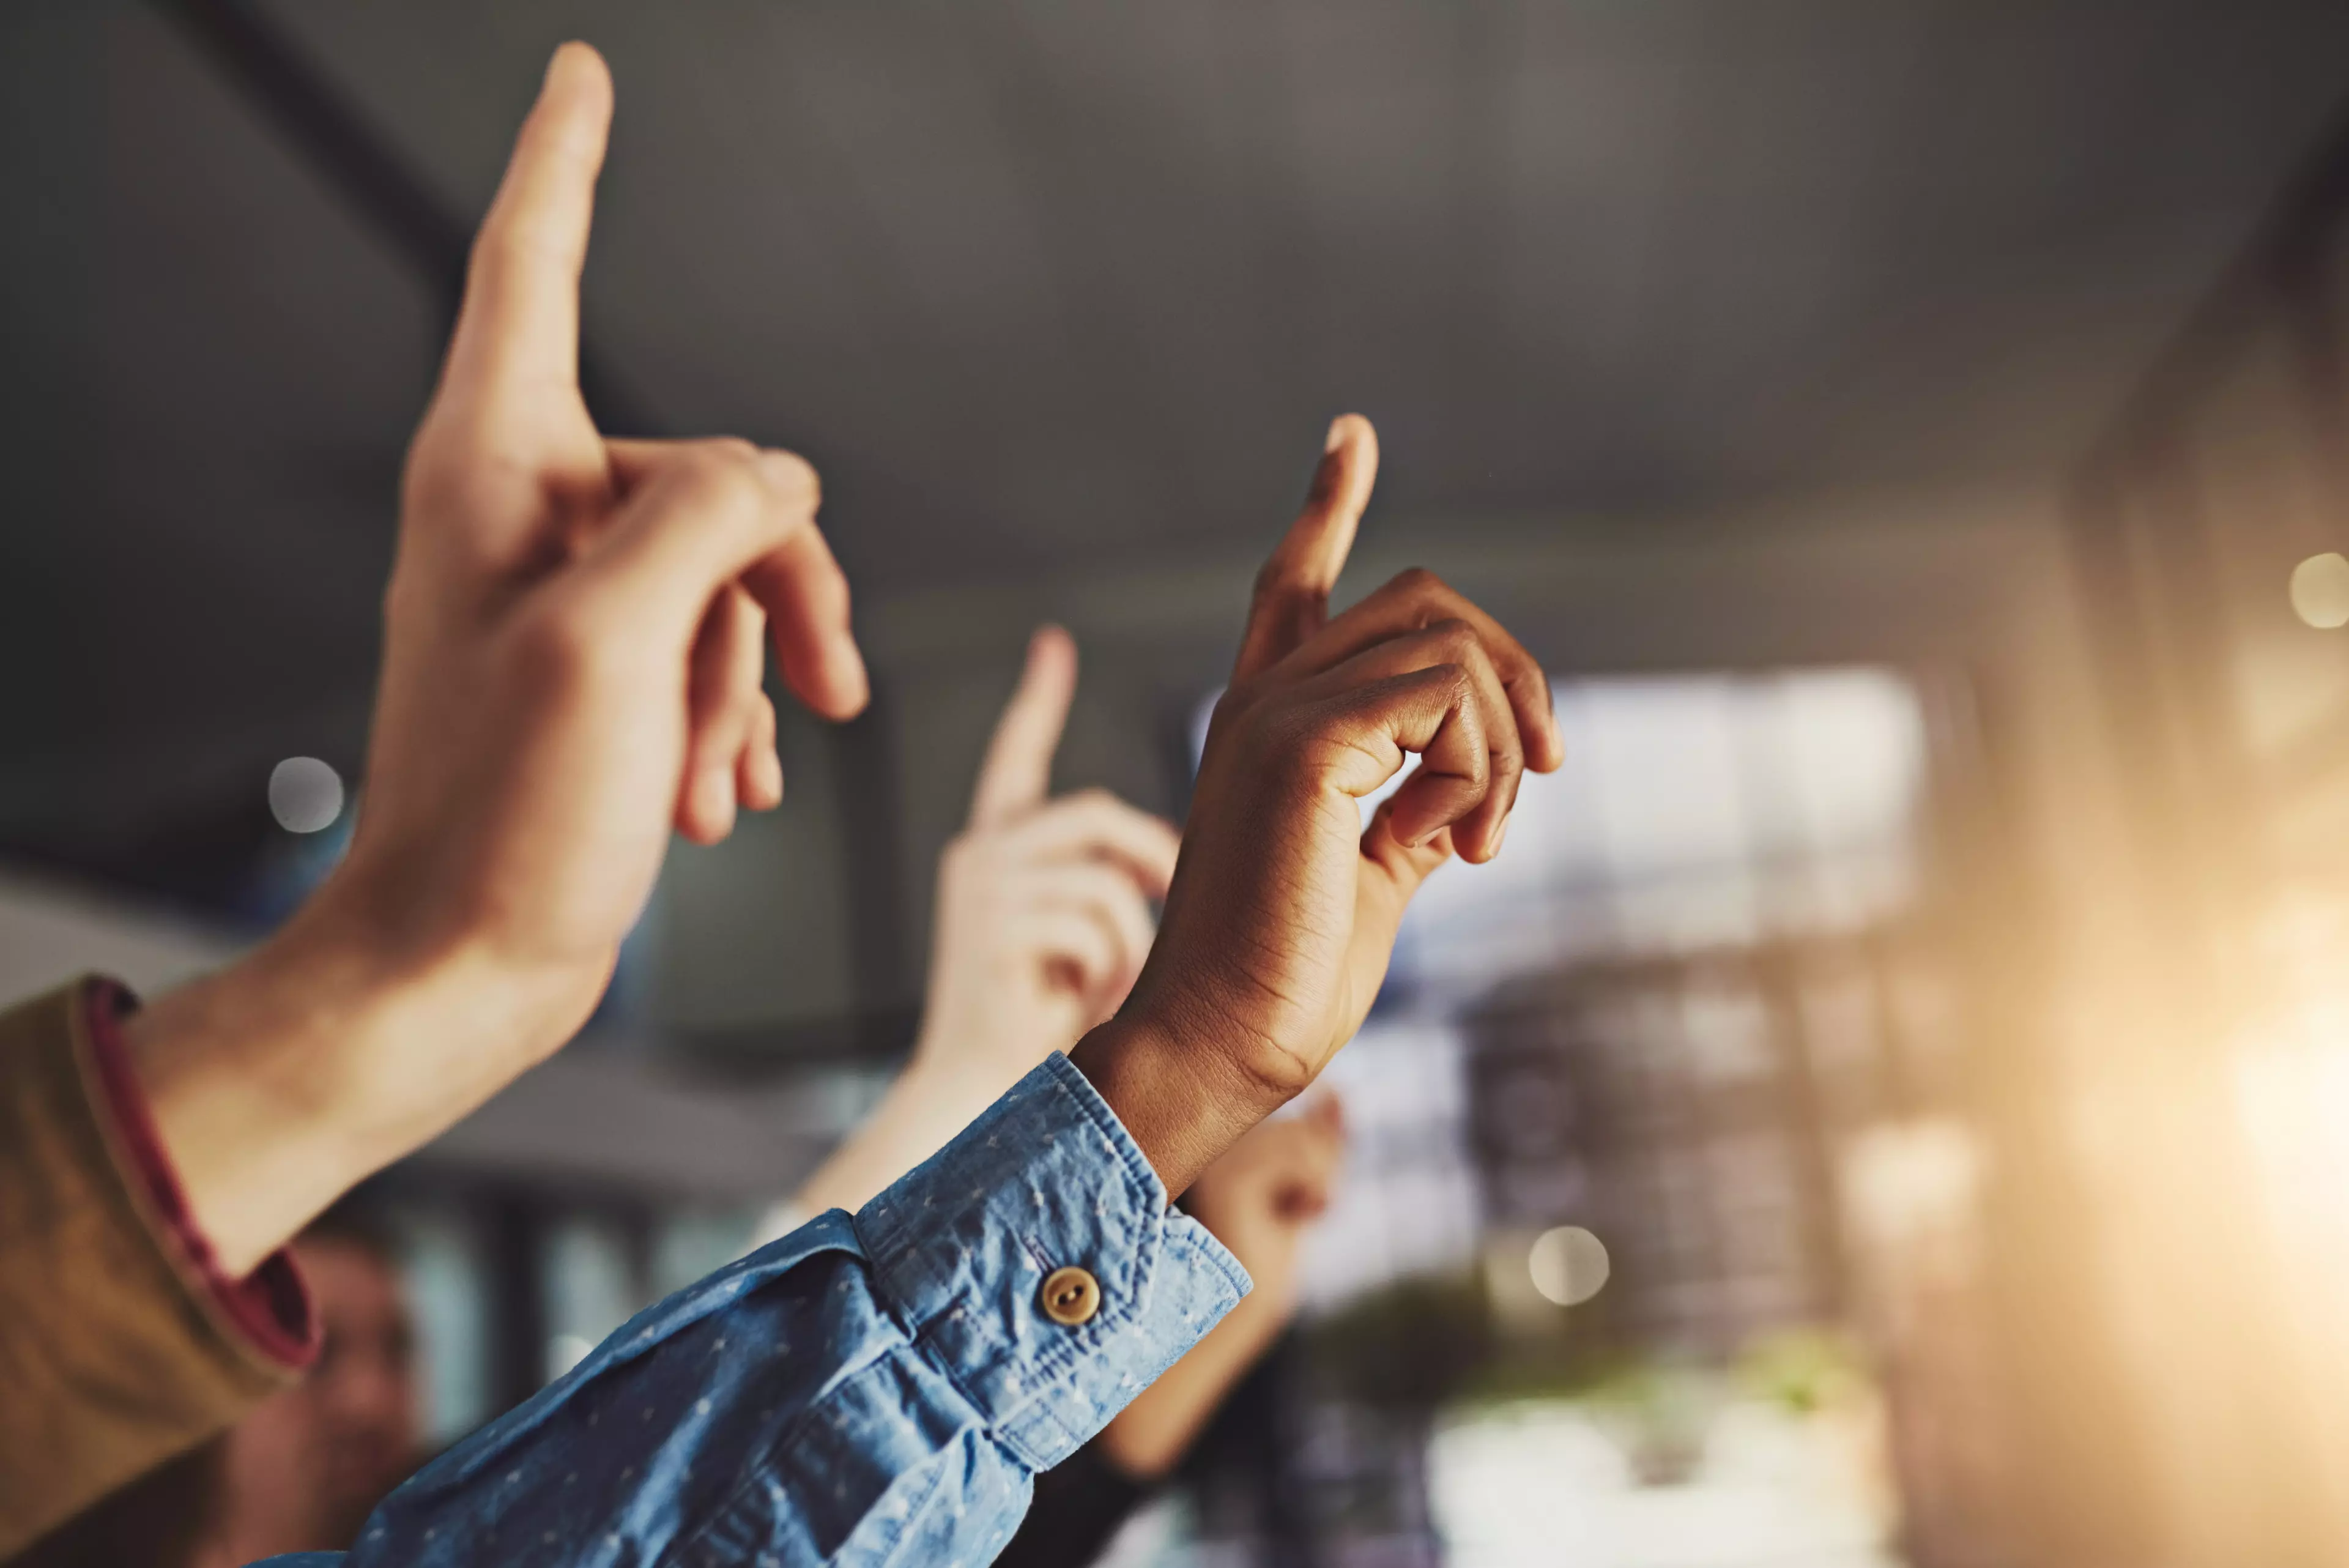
<point>936,1096</point>
<point>281,1082</point>
<point>866,1390</point>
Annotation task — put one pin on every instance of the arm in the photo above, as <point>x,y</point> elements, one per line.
<point>1040,923</point>
<point>572,653</point>
<point>900,1376</point>
<point>573,656</point>
<point>871,1390</point>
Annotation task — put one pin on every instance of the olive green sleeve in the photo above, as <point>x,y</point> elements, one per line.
<point>117,1350</point>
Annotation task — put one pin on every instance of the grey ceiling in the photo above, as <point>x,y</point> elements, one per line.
<point>1053,286</point>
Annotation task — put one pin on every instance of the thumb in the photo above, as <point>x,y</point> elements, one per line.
<point>1392,871</point>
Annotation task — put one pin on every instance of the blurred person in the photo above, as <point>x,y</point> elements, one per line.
<point>305,1467</point>
<point>162,1518</point>
<point>877,1386</point>
<point>1041,923</point>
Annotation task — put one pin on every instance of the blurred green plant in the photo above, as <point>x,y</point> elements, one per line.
<point>1801,1370</point>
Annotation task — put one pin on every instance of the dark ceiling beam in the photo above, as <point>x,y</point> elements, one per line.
<point>362,166</point>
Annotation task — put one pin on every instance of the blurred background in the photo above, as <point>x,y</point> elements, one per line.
<point>1891,1104</point>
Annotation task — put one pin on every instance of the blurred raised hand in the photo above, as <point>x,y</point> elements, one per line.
<point>1043,917</point>
<point>1259,1199</point>
<point>573,645</point>
<point>1043,921</point>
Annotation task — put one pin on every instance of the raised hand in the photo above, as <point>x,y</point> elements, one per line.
<point>572,662</point>
<point>1041,924</point>
<point>1043,909</point>
<point>1258,1200</point>
<point>572,651</point>
<point>1265,1192</point>
<point>1284,908</point>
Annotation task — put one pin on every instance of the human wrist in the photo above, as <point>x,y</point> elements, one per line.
<point>1179,1097</point>
<point>277,1083</point>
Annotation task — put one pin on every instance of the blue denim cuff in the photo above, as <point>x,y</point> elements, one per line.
<point>1046,1178</point>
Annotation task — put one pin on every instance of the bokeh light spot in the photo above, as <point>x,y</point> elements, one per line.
<point>304,795</point>
<point>1569,1265</point>
<point>2319,591</point>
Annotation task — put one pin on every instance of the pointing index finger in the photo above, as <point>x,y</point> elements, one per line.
<point>518,331</point>
<point>1018,772</point>
<point>1292,591</point>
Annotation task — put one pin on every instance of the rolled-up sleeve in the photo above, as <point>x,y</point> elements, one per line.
<point>121,1341</point>
<point>873,1389</point>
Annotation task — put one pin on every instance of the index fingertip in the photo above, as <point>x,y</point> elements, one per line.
<point>1350,428</point>
<point>579,65</point>
<point>1052,654</point>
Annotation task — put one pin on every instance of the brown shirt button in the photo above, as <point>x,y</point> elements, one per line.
<point>1071,1296</point>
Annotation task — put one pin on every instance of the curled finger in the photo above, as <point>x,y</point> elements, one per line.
<point>759,772</point>
<point>1094,824</point>
<point>1415,600</point>
<point>1106,894</point>
<point>723,694</point>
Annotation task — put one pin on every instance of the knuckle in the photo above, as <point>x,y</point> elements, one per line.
<point>1456,638</point>
<point>1280,1070</point>
<point>794,477</point>
<point>558,645</point>
<point>1283,746</point>
<point>724,460</point>
<point>734,485</point>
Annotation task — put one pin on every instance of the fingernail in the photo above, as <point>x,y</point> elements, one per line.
<point>1500,833</point>
<point>1337,434</point>
<point>771,777</point>
<point>555,59</point>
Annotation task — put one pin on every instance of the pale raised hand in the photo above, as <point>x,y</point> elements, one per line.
<point>1259,1199</point>
<point>1044,909</point>
<point>572,662</point>
<point>1041,923</point>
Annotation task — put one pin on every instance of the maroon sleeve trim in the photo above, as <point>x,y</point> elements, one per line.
<point>270,1307</point>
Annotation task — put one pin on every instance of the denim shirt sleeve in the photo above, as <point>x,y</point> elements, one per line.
<point>872,1390</point>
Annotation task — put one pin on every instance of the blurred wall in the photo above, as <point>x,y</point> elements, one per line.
<point>51,931</point>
